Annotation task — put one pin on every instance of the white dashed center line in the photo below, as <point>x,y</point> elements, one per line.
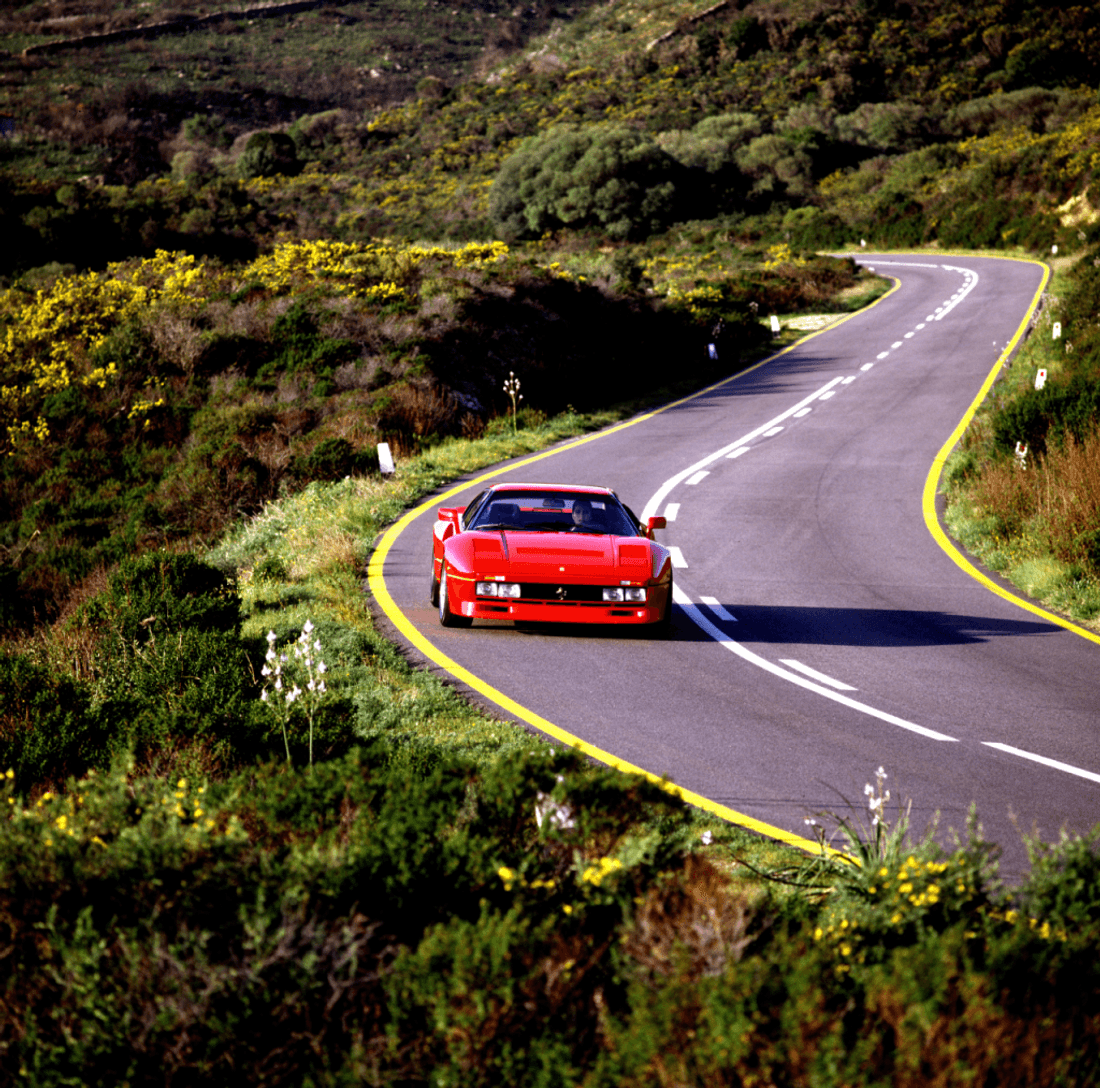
<point>697,478</point>
<point>671,511</point>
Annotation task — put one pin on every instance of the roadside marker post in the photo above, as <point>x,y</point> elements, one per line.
<point>1041,378</point>
<point>385,459</point>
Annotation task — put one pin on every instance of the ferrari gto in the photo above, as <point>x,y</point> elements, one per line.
<point>549,553</point>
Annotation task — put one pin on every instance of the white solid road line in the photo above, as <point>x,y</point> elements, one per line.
<point>716,607</point>
<point>695,614</point>
<point>677,557</point>
<point>1055,764</point>
<point>813,674</point>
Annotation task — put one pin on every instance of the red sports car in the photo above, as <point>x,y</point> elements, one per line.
<point>549,552</point>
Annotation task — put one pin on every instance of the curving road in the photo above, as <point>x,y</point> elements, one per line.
<point>821,629</point>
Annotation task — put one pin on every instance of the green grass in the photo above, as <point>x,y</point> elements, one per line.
<point>322,538</point>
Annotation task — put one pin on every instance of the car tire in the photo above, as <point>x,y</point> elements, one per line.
<point>433,595</point>
<point>662,629</point>
<point>447,618</point>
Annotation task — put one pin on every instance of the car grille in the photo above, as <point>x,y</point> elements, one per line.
<point>555,593</point>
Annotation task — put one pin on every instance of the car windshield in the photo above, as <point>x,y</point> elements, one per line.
<point>554,512</point>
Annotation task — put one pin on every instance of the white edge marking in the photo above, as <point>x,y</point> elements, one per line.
<point>716,607</point>
<point>1067,767</point>
<point>662,492</point>
<point>677,556</point>
<point>813,674</point>
<point>695,614</point>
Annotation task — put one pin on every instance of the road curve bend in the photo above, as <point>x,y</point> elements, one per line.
<point>825,626</point>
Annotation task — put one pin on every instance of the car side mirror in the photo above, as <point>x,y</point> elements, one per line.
<point>655,523</point>
<point>451,514</point>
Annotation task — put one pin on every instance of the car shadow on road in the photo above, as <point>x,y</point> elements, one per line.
<point>886,627</point>
<point>780,625</point>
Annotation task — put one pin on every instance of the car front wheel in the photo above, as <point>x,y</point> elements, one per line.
<point>446,617</point>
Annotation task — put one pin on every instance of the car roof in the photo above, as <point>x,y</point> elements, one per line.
<point>588,489</point>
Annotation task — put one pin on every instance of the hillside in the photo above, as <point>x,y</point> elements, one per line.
<point>242,248</point>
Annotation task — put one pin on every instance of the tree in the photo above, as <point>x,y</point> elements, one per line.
<point>267,154</point>
<point>614,178</point>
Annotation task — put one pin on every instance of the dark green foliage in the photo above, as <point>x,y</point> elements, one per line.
<point>160,594</point>
<point>47,727</point>
<point>614,178</point>
<point>298,346</point>
<point>746,36</point>
<point>1042,416</point>
<point>288,927</point>
<point>334,458</point>
<point>267,154</point>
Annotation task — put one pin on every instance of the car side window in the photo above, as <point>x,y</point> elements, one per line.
<point>470,510</point>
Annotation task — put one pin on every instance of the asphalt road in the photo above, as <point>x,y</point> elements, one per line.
<point>821,631</point>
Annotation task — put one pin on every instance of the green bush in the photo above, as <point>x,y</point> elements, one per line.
<point>1039,417</point>
<point>616,179</point>
<point>268,154</point>
<point>47,727</point>
<point>159,594</point>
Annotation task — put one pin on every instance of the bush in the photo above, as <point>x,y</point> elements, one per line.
<point>1040,417</point>
<point>268,154</point>
<point>47,730</point>
<point>335,458</point>
<point>613,178</point>
<point>160,594</point>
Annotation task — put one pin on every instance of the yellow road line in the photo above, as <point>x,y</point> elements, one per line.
<point>932,482</point>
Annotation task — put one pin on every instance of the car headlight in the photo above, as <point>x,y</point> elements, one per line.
<point>617,594</point>
<point>497,589</point>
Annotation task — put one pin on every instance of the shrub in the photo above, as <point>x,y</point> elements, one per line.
<point>268,154</point>
<point>615,178</point>
<point>334,458</point>
<point>160,594</point>
<point>46,729</point>
<point>1040,417</point>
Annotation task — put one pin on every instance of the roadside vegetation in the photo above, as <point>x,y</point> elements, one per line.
<point>1024,485</point>
<point>245,839</point>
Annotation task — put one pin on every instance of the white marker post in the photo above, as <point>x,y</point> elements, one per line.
<point>1057,330</point>
<point>712,351</point>
<point>1041,378</point>
<point>385,459</point>
<point>1021,454</point>
<point>775,325</point>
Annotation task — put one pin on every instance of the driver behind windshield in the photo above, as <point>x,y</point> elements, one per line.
<point>586,518</point>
